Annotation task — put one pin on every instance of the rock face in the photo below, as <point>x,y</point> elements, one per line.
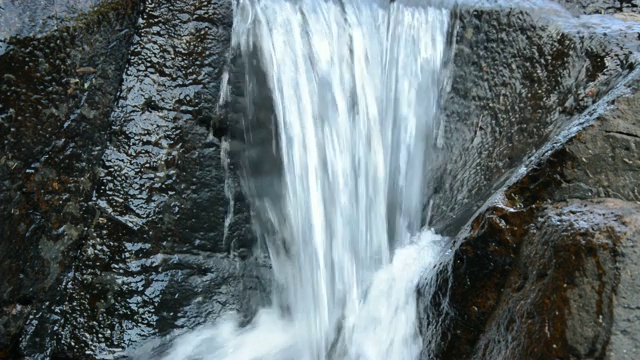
<point>546,269</point>
<point>520,78</point>
<point>122,219</point>
<point>590,7</point>
<point>121,215</point>
<point>555,284</point>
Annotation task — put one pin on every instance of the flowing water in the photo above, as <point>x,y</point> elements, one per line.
<point>355,88</point>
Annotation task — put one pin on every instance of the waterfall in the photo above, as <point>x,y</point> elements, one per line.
<point>355,89</point>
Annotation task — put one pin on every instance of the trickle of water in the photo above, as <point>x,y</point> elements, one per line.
<point>355,88</point>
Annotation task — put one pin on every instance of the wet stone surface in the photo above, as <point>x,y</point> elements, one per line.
<point>589,7</point>
<point>123,210</point>
<point>558,298</point>
<point>548,269</point>
<point>520,78</point>
<point>38,18</point>
<point>52,124</point>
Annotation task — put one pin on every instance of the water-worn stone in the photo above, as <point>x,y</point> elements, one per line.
<point>538,272</point>
<point>558,298</point>
<point>521,76</point>
<point>590,7</point>
<point>122,215</point>
<point>52,123</point>
<point>547,270</point>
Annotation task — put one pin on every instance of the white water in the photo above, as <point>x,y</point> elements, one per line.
<point>355,90</point>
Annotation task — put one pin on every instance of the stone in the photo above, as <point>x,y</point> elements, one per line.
<point>558,299</point>
<point>520,77</point>
<point>540,271</point>
<point>123,219</point>
<point>537,273</point>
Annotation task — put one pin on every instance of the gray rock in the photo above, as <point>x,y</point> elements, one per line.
<point>625,338</point>
<point>558,301</point>
<point>52,123</point>
<point>506,285</point>
<point>521,76</point>
<point>124,215</point>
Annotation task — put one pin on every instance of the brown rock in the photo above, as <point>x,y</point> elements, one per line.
<point>85,70</point>
<point>558,300</point>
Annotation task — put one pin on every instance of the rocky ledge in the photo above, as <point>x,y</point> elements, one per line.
<point>547,268</point>
<point>122,219</point>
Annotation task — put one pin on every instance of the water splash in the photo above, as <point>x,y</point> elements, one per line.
<point>383,328</point>
<point>355,88</point>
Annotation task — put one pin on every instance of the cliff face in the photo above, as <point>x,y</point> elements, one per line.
<point>546,268</point>
<point>122,219</point>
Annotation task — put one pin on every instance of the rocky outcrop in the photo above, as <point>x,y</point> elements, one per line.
<point>122,217</point>
<point>591,7</point>
<point>521,76</point>
<point>56,91</point>
<point>545,270</point>
<point>552,289</point>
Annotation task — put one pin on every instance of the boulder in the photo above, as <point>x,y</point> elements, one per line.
<point>521,76</point>
<point>550,288</point>
<point>545,268</point>
<point>122,215</point>
<point>59,79</point>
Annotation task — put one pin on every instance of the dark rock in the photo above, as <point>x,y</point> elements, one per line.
<point>557,300</point>
<point>624,342</point>
<point>589,7</point>
<point>540,271</point>
<point>52,124</point>
<point>119,222</point>
<point>521,77</point>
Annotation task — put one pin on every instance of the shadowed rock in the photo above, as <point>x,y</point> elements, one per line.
<point>546,269</point>
<point>52,124</point>
<point>520,78</point>
<point>122,217</point>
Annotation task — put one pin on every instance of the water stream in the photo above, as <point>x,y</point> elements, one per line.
<point>355,87</point>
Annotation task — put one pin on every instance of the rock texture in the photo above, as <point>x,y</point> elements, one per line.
<point>52,124</point>
<point>547,269</point>
<point>590,7</point>
<point>521,76</point>
<point>122,219</point>
<point>554,284</point>
<point>121,215</point>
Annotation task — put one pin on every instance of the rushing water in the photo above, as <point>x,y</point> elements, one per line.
<point>355,90</point>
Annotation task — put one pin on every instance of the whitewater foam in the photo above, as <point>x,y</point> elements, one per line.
<point>355,87</point>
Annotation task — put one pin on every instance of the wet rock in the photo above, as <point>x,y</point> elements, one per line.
<point>521,76</point>
<point>123,218</point>
<point>541,270</point>
<point>558,298</point>
<point>547,187</point>
<point>38,18</point>
<point>589,7</point>
<point>52,123</point>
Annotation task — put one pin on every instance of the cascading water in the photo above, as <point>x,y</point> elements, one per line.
<point>355,88</point>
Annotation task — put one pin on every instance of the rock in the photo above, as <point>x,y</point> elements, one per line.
<point>624,342</point>
<point>579,7</point>
<point>540,271</point>
<point>123,218</point>
<point>50,142</point>
<point>521,76</point>
<point>558,297</point>
<point>559,211</point>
